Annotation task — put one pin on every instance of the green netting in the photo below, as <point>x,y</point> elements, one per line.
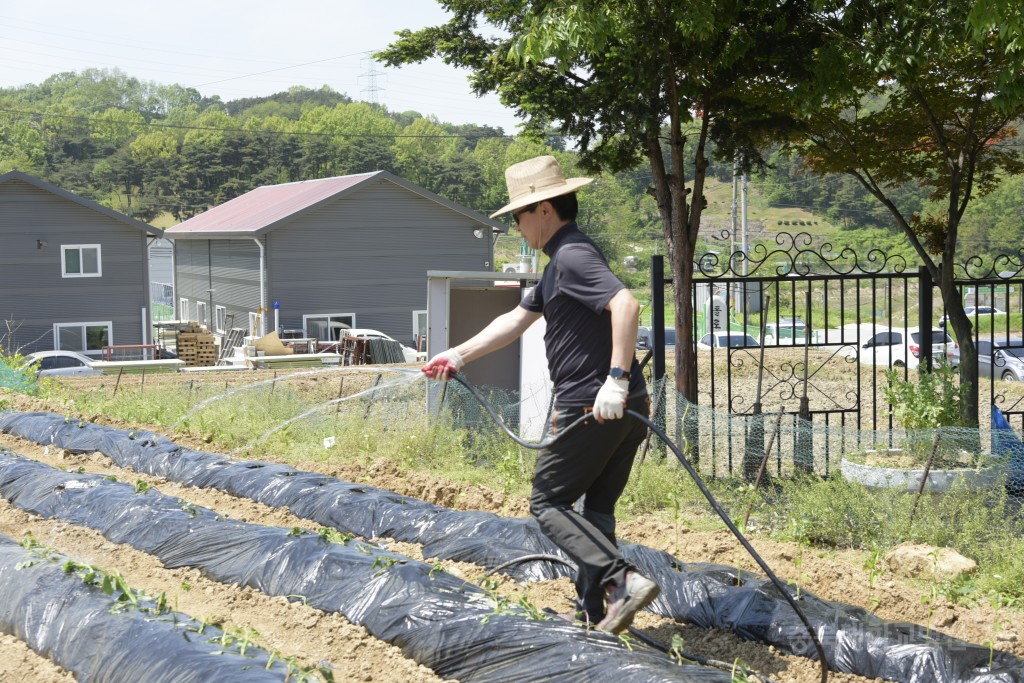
<point>15,378</point>
<point>734,445</point>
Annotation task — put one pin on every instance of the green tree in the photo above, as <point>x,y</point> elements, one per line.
<point>422,144</point>
<point>21,143</point>
<point>626,80</point>
<point>911,94</point>
<point>114,127</point>
<point>994,224</point>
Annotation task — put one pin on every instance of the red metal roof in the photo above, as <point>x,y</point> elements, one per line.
<point>267,205</point>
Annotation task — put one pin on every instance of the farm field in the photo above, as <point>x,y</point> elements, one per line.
<point>314,639</point>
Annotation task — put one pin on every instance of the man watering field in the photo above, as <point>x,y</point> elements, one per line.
<point>590,339</point>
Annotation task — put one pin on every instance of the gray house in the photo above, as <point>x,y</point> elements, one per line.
<point>319,255</point>
<point>73,274</point>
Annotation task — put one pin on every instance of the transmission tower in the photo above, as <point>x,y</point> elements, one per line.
<point>369,78</point>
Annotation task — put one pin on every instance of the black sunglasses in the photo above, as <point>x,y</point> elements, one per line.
<point>525,209</point>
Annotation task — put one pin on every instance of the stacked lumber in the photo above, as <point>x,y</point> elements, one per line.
<point>196,346</point>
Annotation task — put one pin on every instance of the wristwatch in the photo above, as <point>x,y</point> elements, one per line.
<point>618,373</point>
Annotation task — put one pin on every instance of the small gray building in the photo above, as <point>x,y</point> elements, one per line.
<point>318,255</point>
<point>73,274</point>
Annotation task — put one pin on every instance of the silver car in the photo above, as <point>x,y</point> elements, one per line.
<point>61,363</point>
<point>786,331</point>
<point>645,339</point>
<point>1002,359</point>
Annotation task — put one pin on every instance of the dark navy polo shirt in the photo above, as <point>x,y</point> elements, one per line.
<point>576,286</point>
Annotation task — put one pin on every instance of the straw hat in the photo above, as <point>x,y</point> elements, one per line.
<point>535,180</point>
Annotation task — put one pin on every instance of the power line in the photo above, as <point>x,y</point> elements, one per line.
<point>283,68</point>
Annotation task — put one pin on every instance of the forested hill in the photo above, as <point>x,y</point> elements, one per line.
<point>163,153</point>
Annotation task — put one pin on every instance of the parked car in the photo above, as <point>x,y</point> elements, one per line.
<point>721,340</point>
<point>411,356</point>
<point>785,331</point>
<point>901,346</point>
<point>645,339</point>
<point>983,310</point>
<point>1002,358</point>
<point>973,311</point>
<point>61,363</point>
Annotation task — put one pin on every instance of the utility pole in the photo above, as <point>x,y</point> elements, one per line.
<point>743,200</point>
<point>741,303</point>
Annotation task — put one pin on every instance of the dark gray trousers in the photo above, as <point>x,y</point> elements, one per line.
<point>593,461</point>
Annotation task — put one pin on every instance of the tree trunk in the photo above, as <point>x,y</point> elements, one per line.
<point>961,325</point>
<point>686,353</point>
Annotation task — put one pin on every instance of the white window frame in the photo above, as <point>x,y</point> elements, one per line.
<point>183,309</point>
<point>220,319</point>
<point>305,321</point>
<point>109,324</point>
<point>202,310</point>
<point>65,248</point>
<point>253,324</point>
<point>416,315</point>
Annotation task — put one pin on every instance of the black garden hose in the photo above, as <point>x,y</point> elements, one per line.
<point>697,480</point>
<point>540,557</point>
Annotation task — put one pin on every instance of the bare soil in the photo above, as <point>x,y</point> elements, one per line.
<point>312,636</point>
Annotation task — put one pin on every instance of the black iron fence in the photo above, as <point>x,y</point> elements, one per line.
<point>794,346</point>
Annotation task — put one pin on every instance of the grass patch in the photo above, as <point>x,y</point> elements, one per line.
<point>463,446</point>
<point>833,513</point>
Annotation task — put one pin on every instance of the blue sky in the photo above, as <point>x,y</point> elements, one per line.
<point>242,49</point>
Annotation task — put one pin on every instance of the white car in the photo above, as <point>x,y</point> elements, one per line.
<point>61,364</point>
<point>411,356</point>
<point>901,346</point>
<point>721,340</point>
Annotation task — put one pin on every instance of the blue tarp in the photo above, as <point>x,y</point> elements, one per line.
<point>1006,444</point>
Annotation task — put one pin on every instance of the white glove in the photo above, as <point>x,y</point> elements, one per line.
<point>444,365</point>
<point>611,399</point>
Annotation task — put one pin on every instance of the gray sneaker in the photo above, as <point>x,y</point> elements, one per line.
<point>625,600</point>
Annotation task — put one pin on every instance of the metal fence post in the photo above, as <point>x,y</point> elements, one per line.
<point>925,316</point>
<point>658,315</point>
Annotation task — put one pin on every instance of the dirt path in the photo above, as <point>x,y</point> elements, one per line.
<point>312,636</point>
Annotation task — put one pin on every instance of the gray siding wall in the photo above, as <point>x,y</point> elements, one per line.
<point>34,296</point>
<point>368,254</point>
<point>235,276</point>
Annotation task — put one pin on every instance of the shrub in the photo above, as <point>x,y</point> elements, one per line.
<point>16,375</point>
<point>936,399</point>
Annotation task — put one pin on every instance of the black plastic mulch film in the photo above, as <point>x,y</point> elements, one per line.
<point>97,638</point>
<point>708,596</point>
<point>436,619</point>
